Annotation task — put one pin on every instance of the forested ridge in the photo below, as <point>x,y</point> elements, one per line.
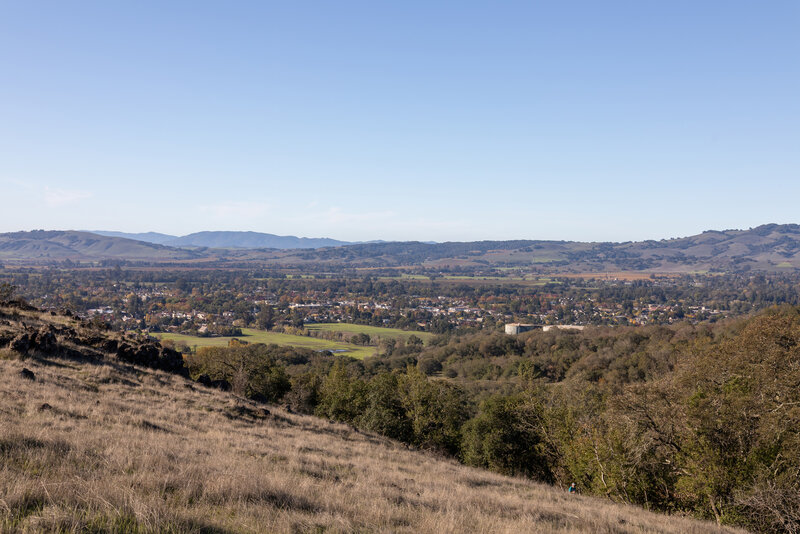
<point>700,419</point>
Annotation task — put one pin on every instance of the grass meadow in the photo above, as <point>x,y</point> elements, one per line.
<point>110,448</point>
<point>372,331</point>
<point>252,335</point>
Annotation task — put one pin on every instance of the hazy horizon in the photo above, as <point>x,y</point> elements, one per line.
<point>361,121</point>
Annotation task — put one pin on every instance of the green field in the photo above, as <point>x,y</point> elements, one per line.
<point>252,335</point>
<point>372,331</point>
<point>529,280</point>
<point>404,276</point>
<point>465,277</point>
<point>522,279</point>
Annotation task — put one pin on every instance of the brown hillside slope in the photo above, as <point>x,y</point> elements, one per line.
<point>100,445</point>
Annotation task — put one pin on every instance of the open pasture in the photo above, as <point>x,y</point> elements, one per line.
<point>252,335</point>
<point>372,331</point>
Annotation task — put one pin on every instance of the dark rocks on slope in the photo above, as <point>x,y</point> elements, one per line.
<point>27,374</point>
<point>153,355</point>
<point>42,341</point>
<point>39,335</point>
<point>19,304</point>
<point>46,340</point>
<point>21,343</point>
<point>206,380</point>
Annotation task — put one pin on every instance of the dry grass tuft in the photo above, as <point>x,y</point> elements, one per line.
<point>104,447</point>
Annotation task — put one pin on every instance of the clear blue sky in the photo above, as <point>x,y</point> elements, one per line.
<point>400,120</point>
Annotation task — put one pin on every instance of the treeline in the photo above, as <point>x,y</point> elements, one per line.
<point>683,419</point>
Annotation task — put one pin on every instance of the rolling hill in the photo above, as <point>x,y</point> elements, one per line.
<point>41,245</point>
<point>147,237</point>
<point>228,240</point>
<point>96,435</point>
<point>251,240</point>
<point>768,248</point>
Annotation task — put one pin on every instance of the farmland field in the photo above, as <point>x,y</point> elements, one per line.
<point>402,276</point>
<point>372,331</point>
<point>252,335</point>
<point>528,280</point>
<point>480,280</point>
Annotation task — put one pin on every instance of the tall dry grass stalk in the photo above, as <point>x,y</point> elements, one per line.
<point>114,448</point>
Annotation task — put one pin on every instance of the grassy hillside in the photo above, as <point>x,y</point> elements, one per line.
<point>90,443</point>
<point>106,448</point>
<point>61,245</point>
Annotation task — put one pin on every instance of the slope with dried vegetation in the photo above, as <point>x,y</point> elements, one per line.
<point>99,444</point>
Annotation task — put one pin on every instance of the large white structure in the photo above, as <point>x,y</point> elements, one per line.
<point>562,327</point>
<point>513,329</point>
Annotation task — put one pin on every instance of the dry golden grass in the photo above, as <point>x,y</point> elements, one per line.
<point>88,448</point>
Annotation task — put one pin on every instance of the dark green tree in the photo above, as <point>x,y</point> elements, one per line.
<point>341,397</point>
<point>506,437</point>
<point>385,412</point>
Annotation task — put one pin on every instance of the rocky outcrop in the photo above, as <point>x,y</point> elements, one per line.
<point>45,334</point>
<point>45,339</point>
<point>152,355</point>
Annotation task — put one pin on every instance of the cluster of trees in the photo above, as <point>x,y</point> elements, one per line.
<point>252,371</point>
<point>687,419</point>
<point>718,435</point>
<point>403,405</point>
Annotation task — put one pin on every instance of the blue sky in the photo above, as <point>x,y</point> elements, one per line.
<point>400,120</point>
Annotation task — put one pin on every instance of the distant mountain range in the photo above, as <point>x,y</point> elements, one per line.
<point>229,240</point>
<point>770,248</point>
<point>147,237</point>
<point>73,245</point>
